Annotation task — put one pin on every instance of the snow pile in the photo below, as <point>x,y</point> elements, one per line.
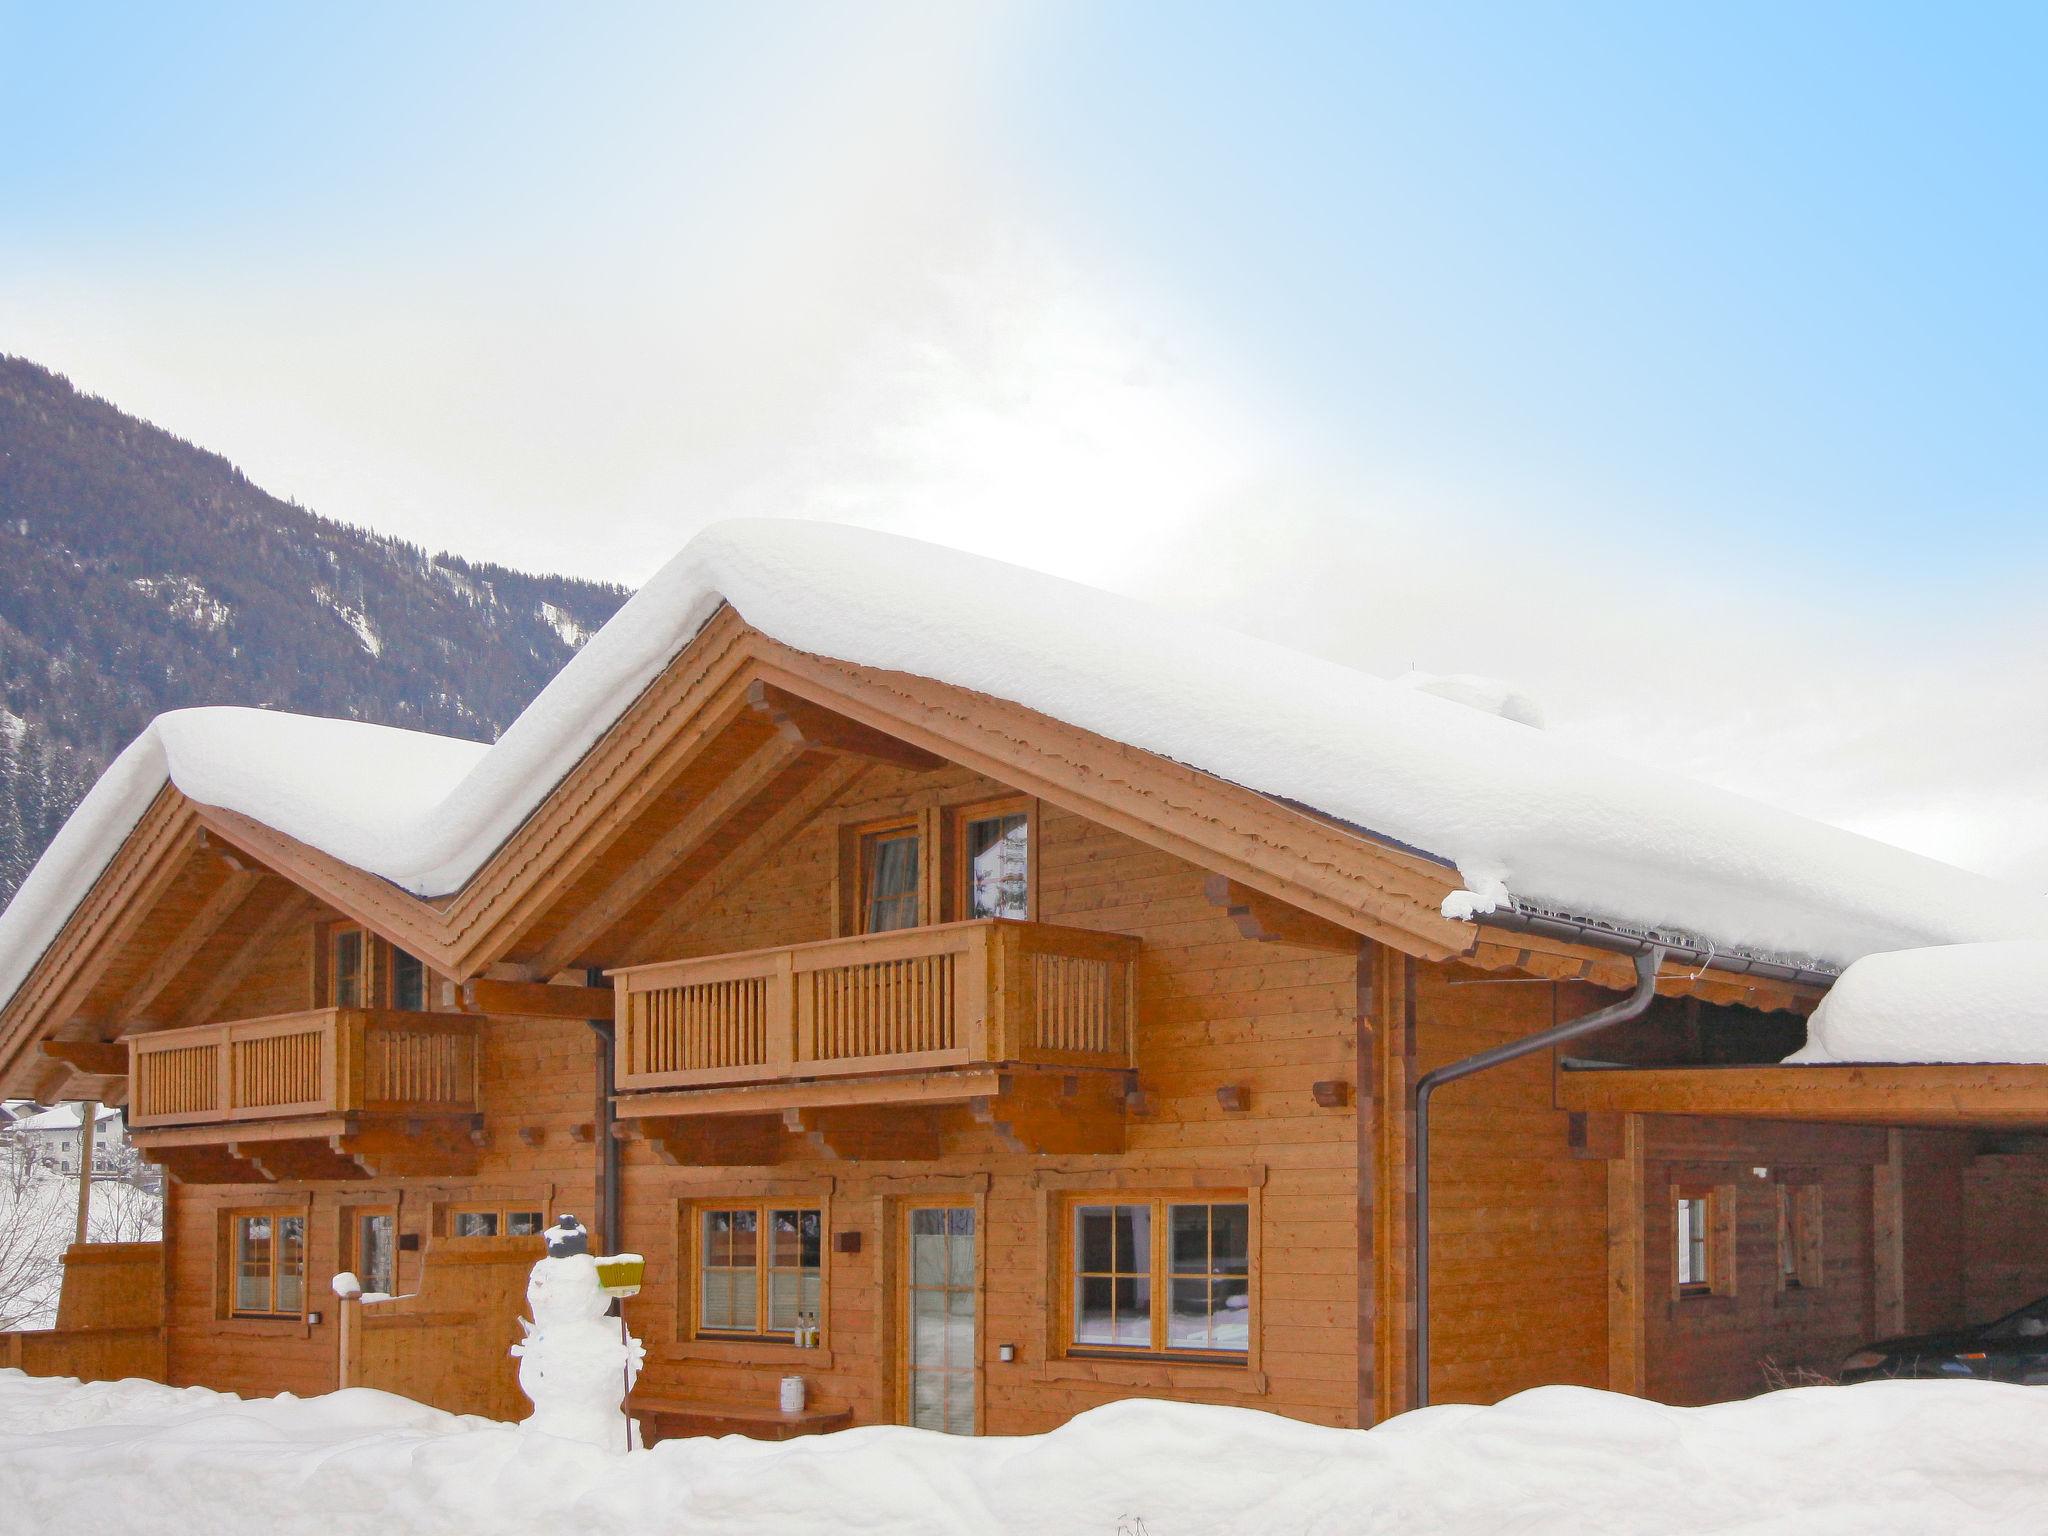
<point>1487,694</point>
<point>1887,1457</point>
<point>1954,1002</point>
<point>1520,813</point>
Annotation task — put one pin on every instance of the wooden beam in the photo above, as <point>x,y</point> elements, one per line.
<point>93,1058</point>
<point>286,1161</point>
<point>1269,920</point>
<point>1989,1096</point>
<point>874,1135</point>
<point>955,1086</point>
<point>611,907</point>
<point>533,1000</point>
<point>1627,1292</point>
<point>172,959</point>
<point>1888,1240</point>
<point>292,911</point>
<point>747,855</point>
<point>813,726</point>
<point>710,1141</point>
<point>1046,1114</point>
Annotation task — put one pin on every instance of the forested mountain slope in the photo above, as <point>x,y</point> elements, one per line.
<point>139,573</point>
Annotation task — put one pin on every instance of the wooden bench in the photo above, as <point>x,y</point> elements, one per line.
<point>672,1418</point>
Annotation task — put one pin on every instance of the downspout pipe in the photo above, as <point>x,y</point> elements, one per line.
<point>610,1226</point>
<point>1647,963</point>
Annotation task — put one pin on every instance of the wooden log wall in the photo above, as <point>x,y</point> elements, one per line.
<point>1216,1010</point>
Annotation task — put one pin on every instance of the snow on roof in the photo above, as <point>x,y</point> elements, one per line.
<point>1522,814</point>
<point>65,1117</point>
<point>1953,1002</point>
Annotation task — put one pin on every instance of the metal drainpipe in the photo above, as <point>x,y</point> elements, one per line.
<point>611,1228</point>
<point>1647,965</point>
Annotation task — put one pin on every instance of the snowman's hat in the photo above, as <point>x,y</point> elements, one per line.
<point>567,1237</point>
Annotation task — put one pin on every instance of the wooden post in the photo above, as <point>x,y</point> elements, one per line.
<point>1888,1239</point>
<point>88,1119</point>
<point>1626,1280</point>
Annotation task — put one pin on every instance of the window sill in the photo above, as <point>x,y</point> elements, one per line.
<point>746,1352</point>
<point>1232,1378</point>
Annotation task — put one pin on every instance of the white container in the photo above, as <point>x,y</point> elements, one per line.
<point>792,1394</point>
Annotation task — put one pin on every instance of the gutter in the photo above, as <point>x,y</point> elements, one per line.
<point>1686,950</point>
<point>1649,959</point>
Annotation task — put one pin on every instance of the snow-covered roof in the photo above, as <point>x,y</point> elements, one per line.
<point>1522,814</point>
<point>1953,1002</point>
<point>65,1117</point>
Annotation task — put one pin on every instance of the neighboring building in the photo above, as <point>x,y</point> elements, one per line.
<point>1026,989</point>
<point>53,1138</point>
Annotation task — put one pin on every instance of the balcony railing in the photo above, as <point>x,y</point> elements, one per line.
<point>328,1061</point>
<point>960,994</point>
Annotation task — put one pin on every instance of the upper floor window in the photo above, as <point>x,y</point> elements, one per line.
<point>364,971</point>
<point>995,861</point>
<point>348,968</point>
<point>889,869</point>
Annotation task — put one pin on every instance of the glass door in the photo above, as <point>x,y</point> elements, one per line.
<point>940,1335</point>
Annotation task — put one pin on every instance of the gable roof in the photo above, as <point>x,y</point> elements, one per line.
<point>1523,816</point>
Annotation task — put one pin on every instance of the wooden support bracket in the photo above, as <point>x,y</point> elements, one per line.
<point>95,1058</point>
<point>1041,1113</point>
<point>1272,921</point>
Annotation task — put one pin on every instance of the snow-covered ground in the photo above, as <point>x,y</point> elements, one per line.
<point>1886,1457</point>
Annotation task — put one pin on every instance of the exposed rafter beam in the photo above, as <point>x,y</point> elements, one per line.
<point>94,1058</point>
<point>288,914</point>
<point>533,1000</point>
<point>233,890</point>
<point>727,797</point>
<point>747,854</point>
<point>812,725</point>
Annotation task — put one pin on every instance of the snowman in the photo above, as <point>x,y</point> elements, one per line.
<point>576,1365</point>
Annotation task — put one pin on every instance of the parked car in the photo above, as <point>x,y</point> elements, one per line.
<point>2014,1348</point>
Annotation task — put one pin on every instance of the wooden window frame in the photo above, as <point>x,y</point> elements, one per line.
<point>1802,1206</point>
<point>380,969</point>
<point>1719,1236</point>
<point>1158,1273</point>
<point>899,1279</point>
<point>957,819</point>
<point>850,900</point>
<point>689,1230</point>
<point>231,1263</point>
<point>351,1245</point>
<point>503,1210</point>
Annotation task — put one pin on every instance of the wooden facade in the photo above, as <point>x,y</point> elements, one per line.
<point>1180,1010</point>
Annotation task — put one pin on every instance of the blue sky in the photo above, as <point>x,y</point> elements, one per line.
<point>1685,362</point>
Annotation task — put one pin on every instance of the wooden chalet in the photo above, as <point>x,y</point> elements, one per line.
<point>1032,1068</point>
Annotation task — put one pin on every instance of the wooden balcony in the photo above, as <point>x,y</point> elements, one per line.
<point>956,995</point>
<point>980,1015</point>
<point>227,1102</point>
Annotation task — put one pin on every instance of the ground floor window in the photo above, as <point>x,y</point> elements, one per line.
<point>495,1221</point>
<point>1157,1275</point>
<point>268,1259</point>
<point>759,1269</point>
<point>372,1232</point>
<point>1703,1220</point>
<point>1799,1235</point>
<point>939,1317</point>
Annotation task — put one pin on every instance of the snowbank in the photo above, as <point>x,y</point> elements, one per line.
<point>1886,1457</point>
<point>1955,1002</point>
<point>1519,812</point>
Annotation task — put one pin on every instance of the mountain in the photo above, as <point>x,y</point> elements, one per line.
<point>139,573</point>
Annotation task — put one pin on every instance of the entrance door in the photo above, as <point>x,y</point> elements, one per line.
<point>940,1336</point>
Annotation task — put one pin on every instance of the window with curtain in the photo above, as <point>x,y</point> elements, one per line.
<point>269,1257</point>
<point>760,1268</point>
<point>889,880</point>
